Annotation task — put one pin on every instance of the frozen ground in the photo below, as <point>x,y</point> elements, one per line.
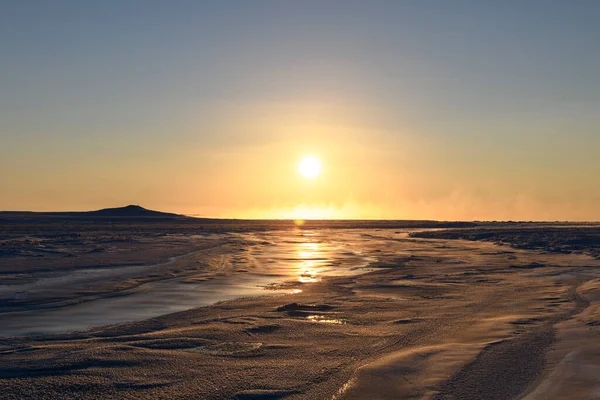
<point>350,314</point>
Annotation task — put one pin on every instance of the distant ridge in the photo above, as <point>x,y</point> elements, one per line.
<point>130,211</point>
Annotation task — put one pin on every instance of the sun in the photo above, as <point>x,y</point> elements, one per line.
<point>309,167</point>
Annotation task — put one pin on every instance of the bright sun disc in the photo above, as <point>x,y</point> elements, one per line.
<point>309,167</point>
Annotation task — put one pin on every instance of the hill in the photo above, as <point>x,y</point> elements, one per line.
<point>129,211</point>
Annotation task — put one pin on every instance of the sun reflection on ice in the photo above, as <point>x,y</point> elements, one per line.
<point>310,256</point>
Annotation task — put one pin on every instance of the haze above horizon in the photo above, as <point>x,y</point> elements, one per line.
<point>434,110</point>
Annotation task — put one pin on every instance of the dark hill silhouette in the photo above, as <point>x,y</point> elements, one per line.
<point>130,211</point>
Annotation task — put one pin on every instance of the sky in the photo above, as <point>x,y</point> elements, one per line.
<point>450,110</point>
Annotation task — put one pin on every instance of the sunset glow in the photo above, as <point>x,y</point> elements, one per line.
<point>416,119</point>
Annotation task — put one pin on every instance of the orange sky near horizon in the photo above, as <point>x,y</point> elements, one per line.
<point>370,170</point>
